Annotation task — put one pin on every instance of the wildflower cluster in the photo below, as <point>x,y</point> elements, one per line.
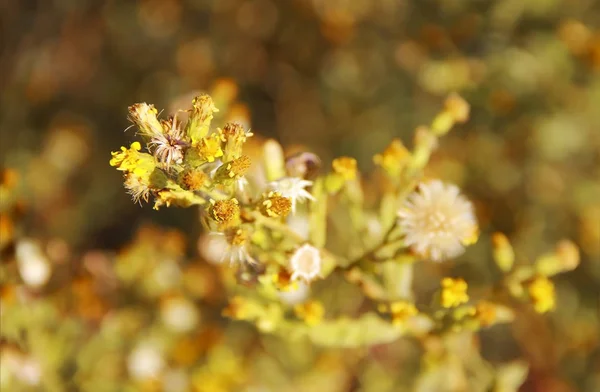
<point>272,219</point>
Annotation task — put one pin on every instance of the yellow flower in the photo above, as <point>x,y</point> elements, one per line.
<point>454,292</point>
<point>133,161</point>
<point>283,281</point>
<point>234,169</point>
<point>200,118</point>
<point>194,179</point>
<point>209,147</point>
<point>274,205</point>
<point>346,167</point>
<point>542,293</point>
<point>311,312</point>
<point>225,210</point>
<point>234,136</point>
<point>402,311</point>
<point>486,313</point>
<point>394,157</point>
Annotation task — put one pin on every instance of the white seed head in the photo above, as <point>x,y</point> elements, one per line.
<point>306,263</point>
<point>437,221</point>
<point>294,189</point>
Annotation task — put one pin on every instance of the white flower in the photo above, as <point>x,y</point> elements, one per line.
<point>306,263</point>
<point>437,221</point>
<point>231,246</point>
<point>293,188</point>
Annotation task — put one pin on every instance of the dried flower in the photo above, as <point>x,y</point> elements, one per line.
<point>437,221</point>
<point>168,146</point>
<point>542,293</point>
<point>274,205</point>
<point>144,116</point>
<point>454,292</point>
<point>306,263</point>
<point>293,188</point>
<point>346,167</point>
<point>138,187</point>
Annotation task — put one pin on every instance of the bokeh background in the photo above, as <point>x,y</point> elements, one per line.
<point>335,77</point>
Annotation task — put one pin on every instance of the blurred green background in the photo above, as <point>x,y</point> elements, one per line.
<point>336,77</point>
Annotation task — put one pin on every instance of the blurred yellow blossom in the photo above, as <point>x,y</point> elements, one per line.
<point>311,312</point>
<point>454,292</point>
<point>542,293</point>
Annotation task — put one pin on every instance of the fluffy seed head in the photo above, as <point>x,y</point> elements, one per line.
<point>137,188</point>
<point>437,221</point>
<point>306,263</point>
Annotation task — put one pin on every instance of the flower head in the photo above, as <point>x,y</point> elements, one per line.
<point>306,263</point>
<point>238,241</point>
<point>345,166</point>
<point>234,136</point>
<point>542,293</point>
<point>454,292</point>
<point>311,312</point>
<point>293,188</point>
<point>131,160</point>
<point>224,211</point>
<point>400,311</point>
<point>144,116</point>
<point>137,187</point>
<point>437,221</point>
<point>209,147</point>
<point>393,158</point>
<point>168,146</point>
<point>274,205</point>
<point>201,115</point>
